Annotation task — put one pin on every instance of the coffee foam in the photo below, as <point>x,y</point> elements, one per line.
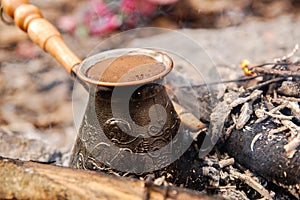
<point>125,68</point>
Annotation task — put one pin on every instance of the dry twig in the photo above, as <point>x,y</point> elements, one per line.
<point>278,130</point>
<point>226,162</point>
<point>281,73</point>
<point>188,119</point>
<point>292,146</point>
<point>293,106</point>
<point>295,130</point>
<point>252,183</point>
<point>260,113</point>
<point>256,138</point>
<point>288,56</point>
<point>268,82</point>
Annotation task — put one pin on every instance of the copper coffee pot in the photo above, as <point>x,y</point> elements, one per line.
<point>151,122</point>
<point>128,121</point>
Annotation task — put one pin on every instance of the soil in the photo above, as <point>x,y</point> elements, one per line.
<point>36,120</point>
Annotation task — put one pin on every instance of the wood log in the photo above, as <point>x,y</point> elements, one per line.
<point>32,180</point>
<point>265,156</point>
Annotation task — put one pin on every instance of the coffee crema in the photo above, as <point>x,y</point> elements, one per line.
<point>125,68</point>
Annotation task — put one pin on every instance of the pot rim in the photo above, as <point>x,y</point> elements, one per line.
<point>158,55</point>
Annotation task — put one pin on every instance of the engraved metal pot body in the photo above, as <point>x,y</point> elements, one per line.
<point>127,126</point>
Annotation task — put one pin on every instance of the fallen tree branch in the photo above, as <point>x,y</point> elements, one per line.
<point>31,180</point>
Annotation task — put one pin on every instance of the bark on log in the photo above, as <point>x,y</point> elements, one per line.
<point>31,180</point>
<point>266,157</point>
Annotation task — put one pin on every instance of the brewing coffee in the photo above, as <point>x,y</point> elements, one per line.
<point>125,69</point>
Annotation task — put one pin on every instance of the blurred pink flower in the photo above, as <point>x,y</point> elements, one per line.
<point>66,24</point>
<point>127,6</point>
<point>103,24</point>
<point>99,19</point>
<point>100,7</point>
<point>137,7</point>
<point>103,16</point>
<point>145,7</point>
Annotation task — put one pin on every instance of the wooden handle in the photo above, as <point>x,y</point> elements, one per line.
<point>30,19</point>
